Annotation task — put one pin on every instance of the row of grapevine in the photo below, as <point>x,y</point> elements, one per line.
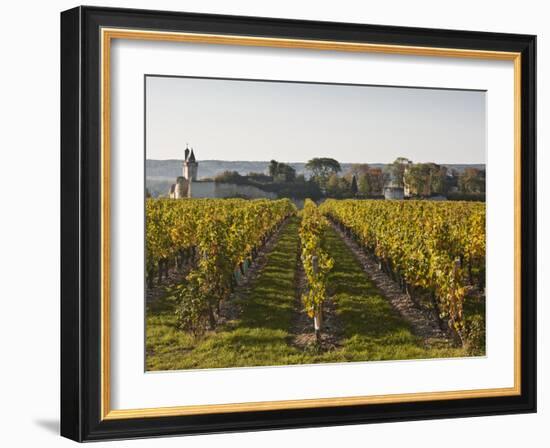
<point>216,236</point>
<point>437,247</point>
<point>316,261</point>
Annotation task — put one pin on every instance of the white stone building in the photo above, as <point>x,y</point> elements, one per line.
<point>183,188</point>
<point>189,186</point>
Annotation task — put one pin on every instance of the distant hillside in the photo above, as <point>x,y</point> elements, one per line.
<point>160,174</point>
<point>170,169</point>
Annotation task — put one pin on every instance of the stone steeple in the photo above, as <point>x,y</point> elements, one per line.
<point>186,151</point>
<point>190,166</point>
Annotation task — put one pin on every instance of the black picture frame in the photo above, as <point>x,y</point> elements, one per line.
<point>81,224</point>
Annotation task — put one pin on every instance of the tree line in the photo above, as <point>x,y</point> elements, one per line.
<point>326,179</point>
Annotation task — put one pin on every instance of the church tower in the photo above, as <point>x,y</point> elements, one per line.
<point>190,165</point>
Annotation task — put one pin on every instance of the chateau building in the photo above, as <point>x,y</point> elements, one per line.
<point>183,187</point>
<point>190,186</point>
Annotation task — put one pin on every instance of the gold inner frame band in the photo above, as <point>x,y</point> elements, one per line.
<point>107,35</point>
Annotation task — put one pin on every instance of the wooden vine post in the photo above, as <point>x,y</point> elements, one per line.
<point>318,313</point>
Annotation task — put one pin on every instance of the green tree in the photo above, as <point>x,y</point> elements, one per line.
<point>397,170</point>
<point>354,188</point>
<point>438,179</point>
<point>322,168</point>
<point>356,172</point>
<point>425,179</point>
<point>281,172</point>
<point>363,184</point>
<point>273,166</point>
<point>472,180</point>
<point>417,179</point>
<point>333,185</point>
<point>338,187</point>
<point>286,173</point>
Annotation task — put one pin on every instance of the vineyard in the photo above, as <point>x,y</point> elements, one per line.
<point>430,248</point>
<point>244,282</point>
<point>213,238</point>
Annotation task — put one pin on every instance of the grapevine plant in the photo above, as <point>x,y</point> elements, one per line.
<point>316,261</point>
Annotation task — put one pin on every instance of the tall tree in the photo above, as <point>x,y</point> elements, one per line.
<point>273,165</point>
<point>354,188</point>
<point>322,168</point>
<point>364,184</point>
<point>397,170</point>
<point>438,179</point>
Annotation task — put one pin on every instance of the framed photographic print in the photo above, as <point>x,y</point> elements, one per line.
<point>273,223</point>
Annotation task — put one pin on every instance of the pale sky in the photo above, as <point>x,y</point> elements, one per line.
<point>294,122</point>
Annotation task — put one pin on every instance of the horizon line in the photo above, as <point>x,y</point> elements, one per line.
<point>284,161</point>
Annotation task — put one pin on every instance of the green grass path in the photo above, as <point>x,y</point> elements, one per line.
<point>372,330</point>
